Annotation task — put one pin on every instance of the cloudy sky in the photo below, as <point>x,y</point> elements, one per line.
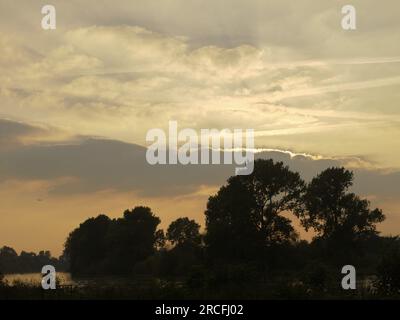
<point>76,102</point>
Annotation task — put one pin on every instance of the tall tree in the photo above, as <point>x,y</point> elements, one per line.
<point>187,253</point>
<point>85,247</point>
<point>335,213</point>
<point>132,238</point>
<point>245,216</point>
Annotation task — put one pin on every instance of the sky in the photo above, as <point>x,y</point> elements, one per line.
<point>76,103</point>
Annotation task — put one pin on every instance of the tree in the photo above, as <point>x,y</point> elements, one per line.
<point>184,231</point>
<point>187,252</point>
<point>101,245</point>
<point>8,260</point>
<point>86,246</point>
<point>333,212</point>
<point>132,239</point>
<point>244,217</point>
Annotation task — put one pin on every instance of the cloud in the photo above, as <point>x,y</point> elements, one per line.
<point>293,85</point>
<point>88,165</point>
<point>15,133</point>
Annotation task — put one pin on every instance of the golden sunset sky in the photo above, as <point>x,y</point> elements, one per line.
<point>76,102</point>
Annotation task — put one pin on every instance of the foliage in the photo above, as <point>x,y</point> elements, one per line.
<point>25,262</point>
<point>245,217</point>
<point>103,246</point>
<point>333,212</point>
<point>184,231</point>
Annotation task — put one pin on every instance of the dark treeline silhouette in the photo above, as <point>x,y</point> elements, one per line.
<point>26,262</point>
<point>250,248</point>
<point>249,239</point>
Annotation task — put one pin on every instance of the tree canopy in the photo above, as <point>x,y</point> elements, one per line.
<point>332,211</point>
<point>184,231</point>
<point>101,245</point>
<point>245,216</point>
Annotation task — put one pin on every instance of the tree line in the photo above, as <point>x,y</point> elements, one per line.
<point>249,246</point>
<point>249,235</point>
<point>26,262</point>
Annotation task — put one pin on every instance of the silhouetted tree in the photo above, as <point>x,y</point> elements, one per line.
<point>101,245</point>
<point>8,260</point>
<point>186,254</point>
<point>132,238</point>
<point>245,217</point>
<point>85,247</point>
<point>333,212</point>
<point>184,231</point>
